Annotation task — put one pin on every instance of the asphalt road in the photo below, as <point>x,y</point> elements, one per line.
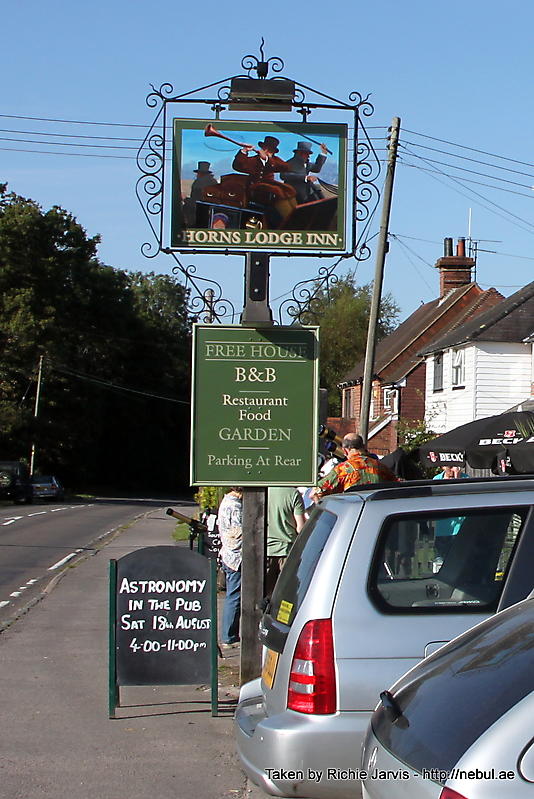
<point>58,741</point>
<point>37,541</point>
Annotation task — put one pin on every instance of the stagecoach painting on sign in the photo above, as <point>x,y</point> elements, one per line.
<point>258,185</point>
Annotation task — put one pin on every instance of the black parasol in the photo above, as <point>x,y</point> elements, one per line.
<point>503,443</point>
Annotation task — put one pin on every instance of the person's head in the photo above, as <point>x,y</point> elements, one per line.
<point>220,221</point>
<point>452,472</point>
<point>353,441</point>
<point>270,144</point>
<point>203,168</point>
<point>303,150</point>
<point>238,490</point>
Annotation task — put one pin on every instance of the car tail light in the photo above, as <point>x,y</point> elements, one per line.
<point>448,793</point>
<point>312,679</point>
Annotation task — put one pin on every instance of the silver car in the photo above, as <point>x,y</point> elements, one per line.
<point>378,579</point>
<point>460,725</point>
<point>47,487</point>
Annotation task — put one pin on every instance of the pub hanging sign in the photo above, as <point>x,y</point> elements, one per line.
<point>275,186</point>
<point>254,414</point>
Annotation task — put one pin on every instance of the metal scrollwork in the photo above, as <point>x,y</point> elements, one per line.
<point>363,105</point>
<point>260,65</point>
<point>367,169</point>
<point>223,93</point>
<point>205,296</point>
<point>151,160</point>
<point>206,302</point>
<point>157,96</point>
<point>306,291</point>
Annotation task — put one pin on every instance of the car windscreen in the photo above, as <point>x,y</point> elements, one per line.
<point>453,697</point>
<point>298,570</point>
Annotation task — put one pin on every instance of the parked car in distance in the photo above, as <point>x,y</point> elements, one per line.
<point>379,578</point>
<point>47,487</point>
<point>459,725</point>
<point>15,482</point>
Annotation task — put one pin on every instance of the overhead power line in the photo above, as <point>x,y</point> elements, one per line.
<point>75,121</point>
<point>473,160</point>
<point>58,152</point>
<point>470,180</point>
<point>68,135</point>
<point>460,181</point>
<point>466,147</point>
<point>111,385</point>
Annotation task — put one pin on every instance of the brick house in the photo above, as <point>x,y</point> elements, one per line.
<point>399,381</point>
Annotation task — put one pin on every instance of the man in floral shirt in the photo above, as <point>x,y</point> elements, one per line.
<point>360,468</point>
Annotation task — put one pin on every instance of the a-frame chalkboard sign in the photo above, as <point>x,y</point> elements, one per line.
<point>163,621</point>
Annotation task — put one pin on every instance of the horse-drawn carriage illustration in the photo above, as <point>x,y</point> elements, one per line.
<point>252,198</point>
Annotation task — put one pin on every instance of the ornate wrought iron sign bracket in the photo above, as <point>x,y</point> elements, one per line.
<point>154,186</point>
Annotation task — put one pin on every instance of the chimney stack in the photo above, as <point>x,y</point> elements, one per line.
<point>454,270</point>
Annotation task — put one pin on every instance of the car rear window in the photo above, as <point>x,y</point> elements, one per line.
<point>450,699</point>
<point>436,562</point>
<point>294,581</point>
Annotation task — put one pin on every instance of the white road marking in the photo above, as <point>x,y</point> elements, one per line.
<point>55,510</point>
<point>18,593</point>
<point>39,513</point>
<point>11,520</point>
<point>63,560</point>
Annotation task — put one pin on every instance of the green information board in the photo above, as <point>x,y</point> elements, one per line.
<point>254,418</point>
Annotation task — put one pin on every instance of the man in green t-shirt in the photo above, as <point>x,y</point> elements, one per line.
<point>285,519</point>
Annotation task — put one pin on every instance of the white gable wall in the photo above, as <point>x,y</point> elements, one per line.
<point>497,376</point>
<point>503,372</point>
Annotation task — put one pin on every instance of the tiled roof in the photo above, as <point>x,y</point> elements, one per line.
<point>399,353</point>
<point>512,319</point>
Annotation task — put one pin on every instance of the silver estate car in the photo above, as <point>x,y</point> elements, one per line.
<point>47,487</point>
<point>460,724</point>
<point>378,579</point>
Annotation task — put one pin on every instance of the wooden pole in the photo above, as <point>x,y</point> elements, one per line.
<point>256,311</point>
<point>381,251</point>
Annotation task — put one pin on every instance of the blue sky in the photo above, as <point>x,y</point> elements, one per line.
<point>457,74</point>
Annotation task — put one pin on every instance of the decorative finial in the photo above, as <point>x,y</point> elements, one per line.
<point>261,65</point>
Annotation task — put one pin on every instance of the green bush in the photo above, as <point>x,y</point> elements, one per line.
<point>209,497</point>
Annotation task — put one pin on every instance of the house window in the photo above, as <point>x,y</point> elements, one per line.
<point>458,368</point>
<point>347,403</point>
<point>374,411</point>
<point>390,399</point>
<point>438,371</point>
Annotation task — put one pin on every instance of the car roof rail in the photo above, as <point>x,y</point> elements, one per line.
<point>428,487</point>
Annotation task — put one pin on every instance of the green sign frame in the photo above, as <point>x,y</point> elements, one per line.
<point>255,393</point>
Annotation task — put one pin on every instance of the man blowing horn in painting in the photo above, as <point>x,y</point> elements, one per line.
<point>261,168</point>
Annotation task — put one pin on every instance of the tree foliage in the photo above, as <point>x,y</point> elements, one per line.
<point>342,311</point>
<point>413,433</point>
<point>113,344</point>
